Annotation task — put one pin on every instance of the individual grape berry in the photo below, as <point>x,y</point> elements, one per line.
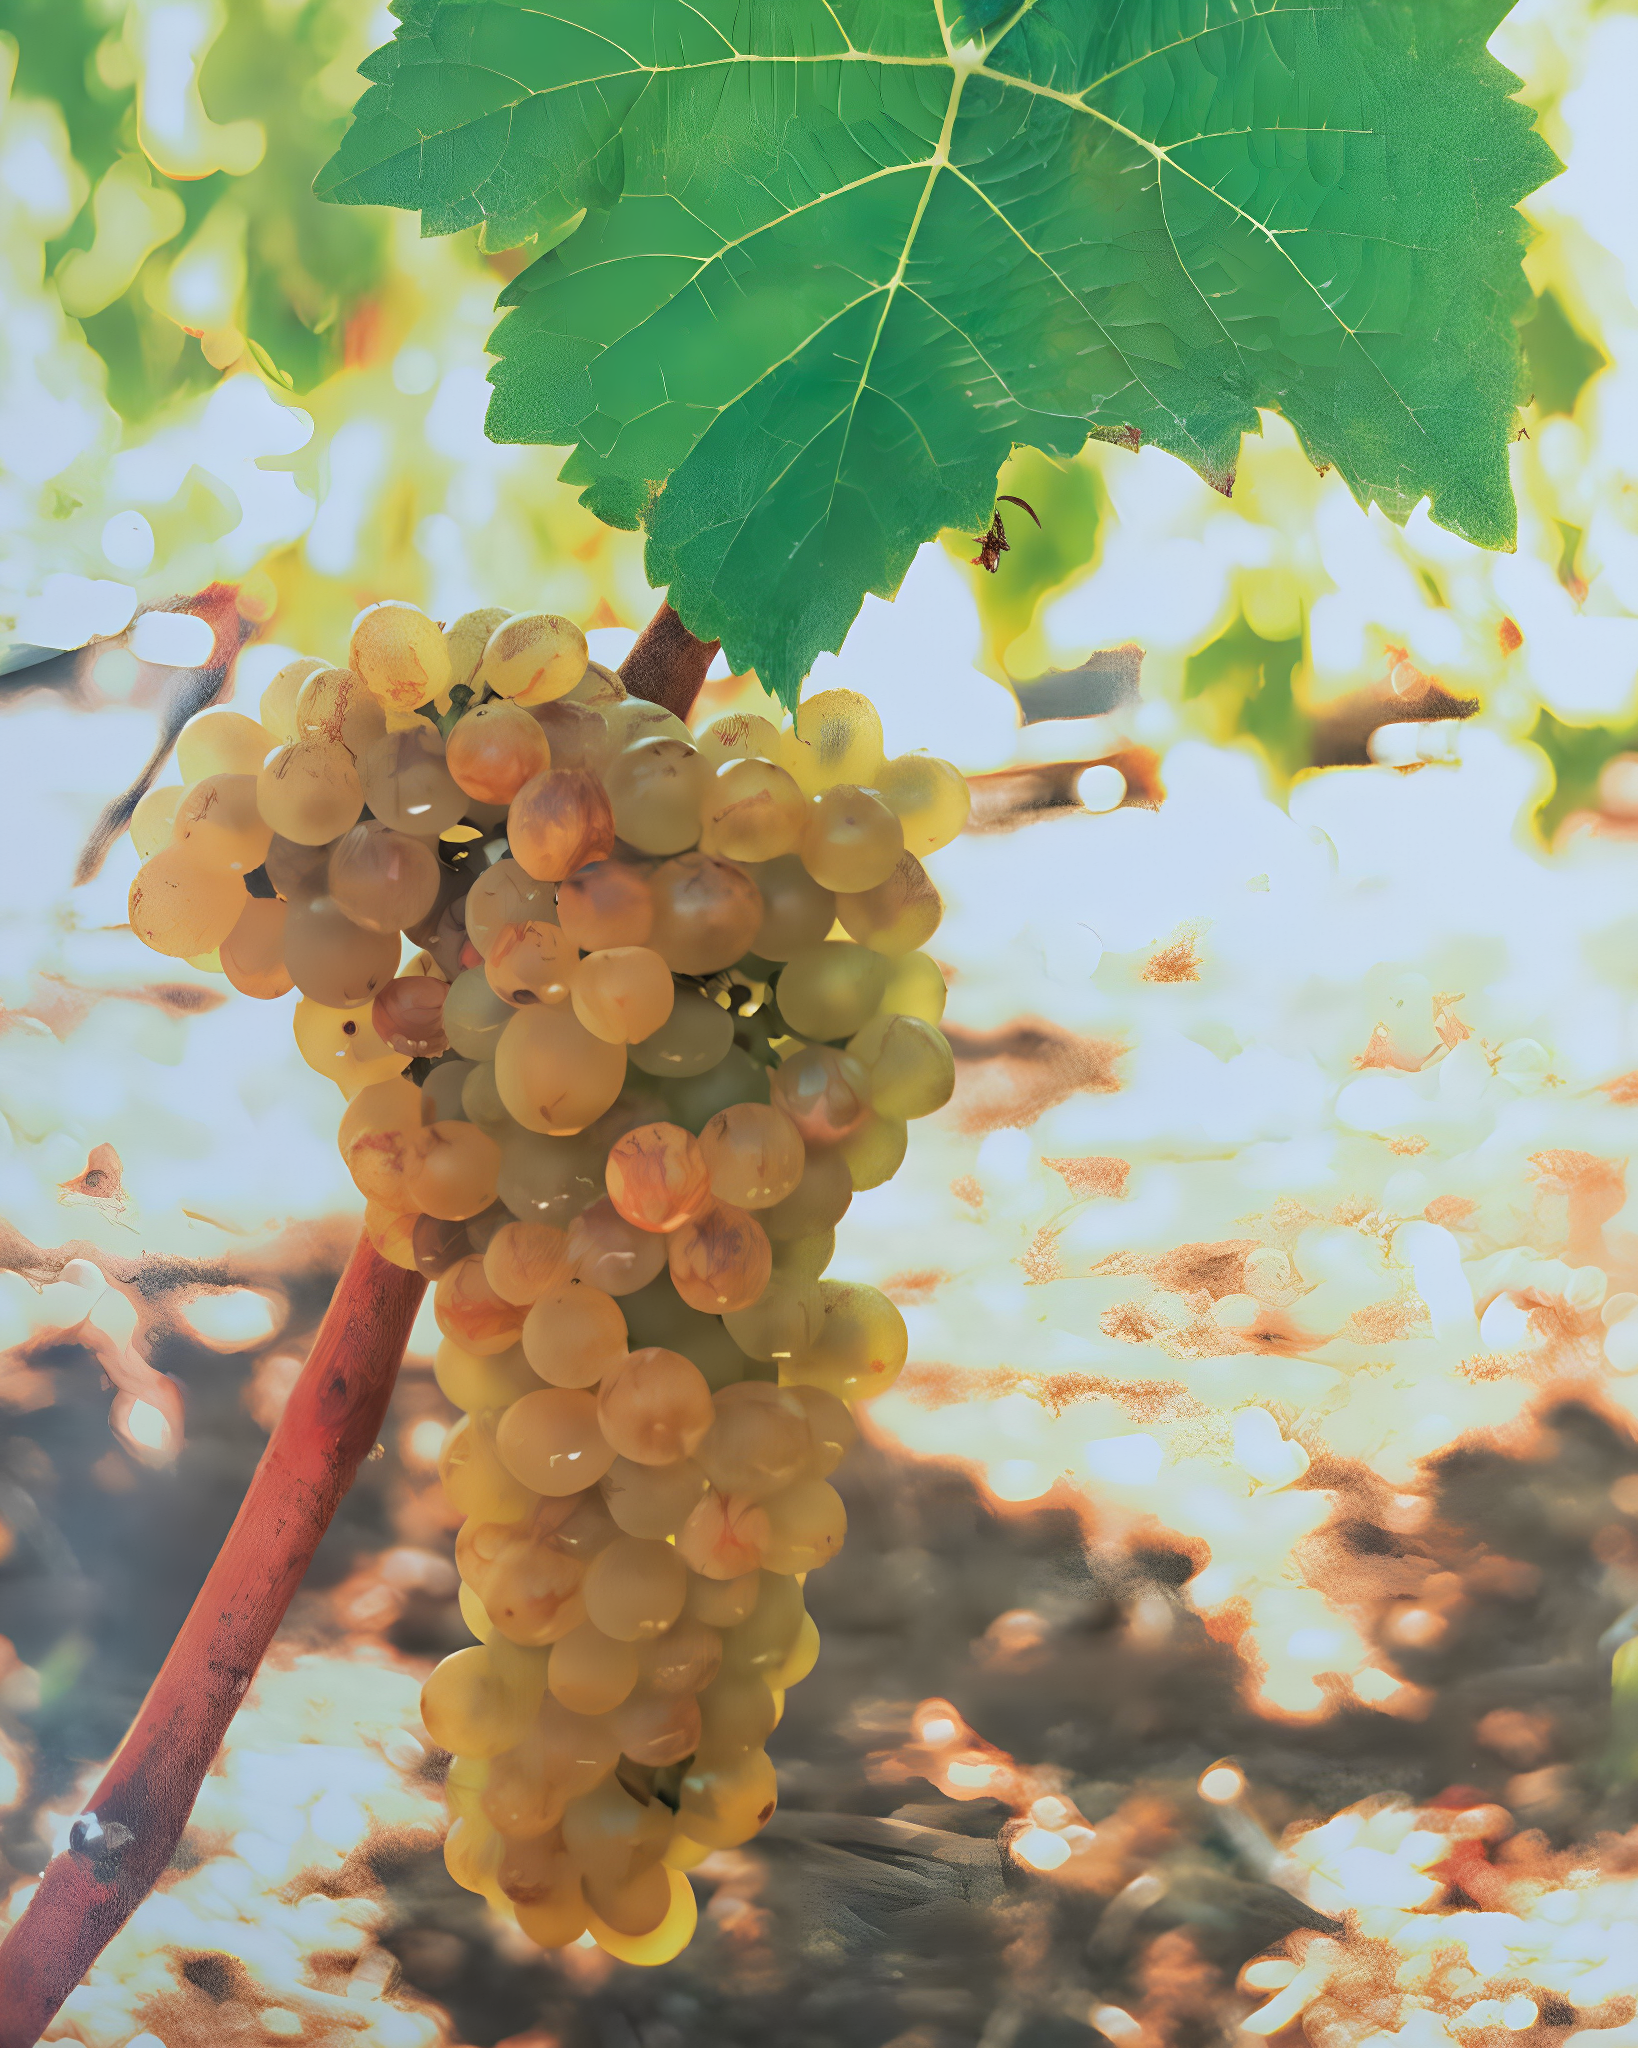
<point>915,988</point>
<point>494,749</point>
<point>591,1673</point>
<point>752,811</point>
<point>534,658</point>
<point>574,1334</point>
<point>736,1077</point>
<point>385,881</point>
<point>577,734</point>
<point>837,738</point>
<point>276,712</point>
<point>796,911</point>
<point>453,1176</point>
<point>609,1252</point>
<point>831,1427</point>
<point>739,736</point>
<point>652,1500</point>
<point>475,1016</point>
<point>655,1407</point>
<point>559,820</point>
<point>296,870</point>
<point>553,1075</point>
<point>851,841</point>
<point>806,1525</point>
<point>633,719</point>
<point>724,1538</point>
<point>409,1015</point>
<point>401,655</point>
<point>532,1593</point>
<point>335,704</point>
<point>657,1176</point>
<point>635,1588</point>
<point>523,1261</point>
<point>219,820</point>
<point>184,905</point>
<point>783,1322</point>
<point>466,638</point>
<point>310,792</point>
<point>737,1711</point>
<point>692,1040</point>
<point>607,903</point>
<point>875,1151</point>
<point>930,799</point>
<point>551,1442</point>
<point>623,994</point>
<point>689,1654</point>
<point>724,1603</point>
<point>252,954</point>
<point>830,990</point>
<point>658,1729</point>
<point>861,1347</point>
<point>824,1092</point>
<point>706,913</point>
<point>220,743</point>
<point>898,915</point>
<point>754,1155</point>
<point>407,783</point>
<point>531,963</point>
<point>345,1046</point>
<point>759,1443</point>
<point>470,1311</point>
<point>438,1246</point>
<point>760,1644</point>
<point>720,1259</point>
<point>909,1064</point>
<point>600,686</point>
<point>474,1705</point>
<point>379,1136</point>
<point>656,788</point>
<point>587,1526</point>
<point>154,819</point>
<point>334,961</point>
<point>504,895</point>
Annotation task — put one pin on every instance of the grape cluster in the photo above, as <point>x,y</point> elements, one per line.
<point>664,1013</point>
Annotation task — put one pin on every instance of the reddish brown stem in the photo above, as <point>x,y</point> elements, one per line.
<point>667,664</point>
<point>136,1815</point>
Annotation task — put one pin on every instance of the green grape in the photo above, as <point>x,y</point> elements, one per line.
<point>830,990</point>
<point>740,736</point>
<point>553,1075</point>
<point>334,961</point>
<point>861,1347</point>
<point>656,788</point>
<point>851,840</point>
<point>652,1500</point>
<point>796,911</point>
<point>837,738</point>
<point>819,1200</point>
<point>475,1016</point>
<point>183,905</point>
<point>706,913</point>
<point>401,655</point>
<point>550,1441</point>
<point>909,1064</point>
<point>381,879</point>
<point>915,988</point>
<point>896,916</point>
<point>548,1180</point>
<point>763,1641</point>
<point>721,1603</point>
<point>658,1315</point>
<point>781,1323</point>
<point>736,1077</point>
<point>737,1712</point>
<point>691,1041</point>
<point>875,1151</point>
<point>310,792</point>
<point>407,784</point>
<point>443,1088</point>
<point>930,799</point>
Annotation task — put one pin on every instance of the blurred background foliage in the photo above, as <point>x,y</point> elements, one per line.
<point>206,373</point>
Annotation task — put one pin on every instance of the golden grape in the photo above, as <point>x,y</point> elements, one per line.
<point>910,1066</point>
<point>252,954</point>
<point>930,799</point>
<point>851,840</point>
<point>220,743</point>
<point>470,1311</point>
<point>478,1704</point>
<point>824,1092</point>
<point>806,1525</point>
<point>609,1252</point>
<point>381,879</point>
<point>551,1442</point>
<point>656,788</point>
<point>407,782</point>
<point>474,1480</point>
<point>523,1261</point>
<point>218,819</point>
<point>310,792</point>
<point>897,915</point>
<point>466,638</point>
<point>655,1407</point>
<point>759,1442</point>
<point>837,738</point>
<point>504,895</point>
<point>553,1075</point>
<point>591,1673</point>
<point>652,1500</point>
<point>706,913</point>
<point>534,658</point>
<point>154,819</point>
<point>739,736</point>
<point>752,811</point>
<point>531,963</point>
<point>622,994</point>
<point>657,1176</point>
<point>574,1334</point>
<point>875,1151</point>
<point>345,1045</point>
<point>454,1175</point>
<point>796,911</point>
<point>559,820</point>
<point>720,1259</point>
<point>494,749</point>
<point>754,1155</point>
<point>401,654</point>
<point>334,961</point>
<point>915,988</point>
<point>277,710</point>
<point>635,1588</point>
<point>335,704</point>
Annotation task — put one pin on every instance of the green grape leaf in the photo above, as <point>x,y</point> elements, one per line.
<point>839,257</point>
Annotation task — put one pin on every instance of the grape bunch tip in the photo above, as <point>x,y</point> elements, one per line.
<point>662,1012</point>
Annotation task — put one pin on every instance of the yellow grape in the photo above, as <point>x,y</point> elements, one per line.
<point>529,1586</point>
<point>475,1016</point>
<point>654,1407</point>
<point>837,738</point>
<point>831,1428</point>
<point>875,1151</point>
<point>469,1310</point>
<point>622,994</point>
<point>493,749</point>
<point>796,911</point>
<point>929,797</point>
<point>334,961</point>
<point>504,895</point>
<point>725,1804</point>
<point>668,1940</point>
<point>601,687</point>
<point>607,903</point>
<point>915,988</point>
<point>635,1588</point>
<point>724,1603</point>
<point>401,655</point>
<point>754,1155</point>
<point>652,1500</point>
<point>762,1642</point>
<point>633,719</point>
<point>909,1064</point>
<point>183,904</point>
<point>611,1832</point>
<point>806,1524</point>
<point>720,1259</point>
<point>752,811</point>
<point>154,819</point>
<point>658,1728</point>
<point>466,638</point>
<point>656,788</point>
<point>471,1382</point>
<point>739,736</point>
<point>407,783</point>
<point>523,1261</point>
<point>829,990</point>
<point>409,1015</point>
<point>534,658</point>
<point>534,1868</point>
<point>608,1252</point>
<point>688,1655</point>
<point>819,1201</point>
<point>474,1480</point>
<point>803,1656</point>
<point>551,1442</point>
<point>477,1703</point>
<point>574,1333</point>
<point>724,1538</point>
<point>851,840</point>
<point>220,743</point>
<point>657,1176</point>
<point>346,1046</point>
<point>559,821</point>
<point>553,1075</point>
<point>559,1919</point>
<point>632,1909</point>
<point>692,1040</point>
<point>591,1673</point>
<point>759,1442</point>
<point>897,915</point>
<point>453,1175</point>
<point>310,792</point>
<point>392,1233</point>
<point>861,1347</point>
<point>532,963</point>
<point>276,712</point>
<point>472,1855</point>
<point>219,820</point>
<point>252,954</point>
<point>706,913</point>
<point>577,734</point>
<point>336,704</point>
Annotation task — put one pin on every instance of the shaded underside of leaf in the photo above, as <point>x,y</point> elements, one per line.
<point>838,258</point>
